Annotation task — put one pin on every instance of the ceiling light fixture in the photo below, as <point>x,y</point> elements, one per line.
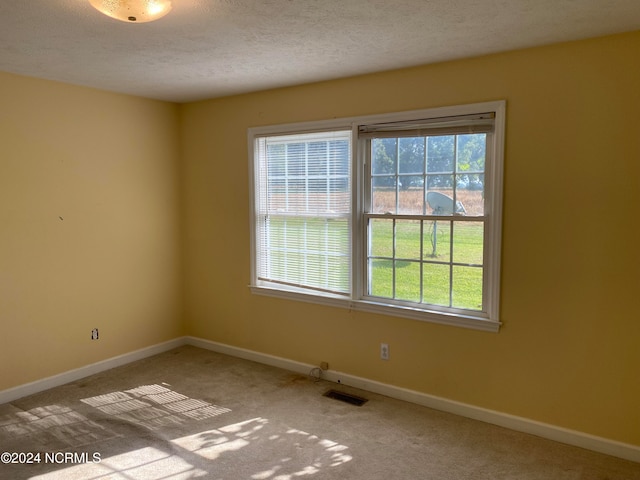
<point>133,11</point>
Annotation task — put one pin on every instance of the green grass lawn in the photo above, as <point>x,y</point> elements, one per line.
<point>450,277</point>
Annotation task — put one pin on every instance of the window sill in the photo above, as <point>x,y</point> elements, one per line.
<point>465,321</point>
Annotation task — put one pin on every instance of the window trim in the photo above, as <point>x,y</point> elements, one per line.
<point>489,321</point>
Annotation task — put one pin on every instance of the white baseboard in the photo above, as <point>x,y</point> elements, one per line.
<point>78,373</point>
<point>252,355</point>
<point>544,430</point>
<point>520,424</point>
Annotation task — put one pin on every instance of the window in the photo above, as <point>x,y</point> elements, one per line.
<point>397,214</point>
<point>303,211</point>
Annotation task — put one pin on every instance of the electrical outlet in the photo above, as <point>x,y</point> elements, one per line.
<point>94,334</point>
<point>384,351</point>
<point>324,366</point>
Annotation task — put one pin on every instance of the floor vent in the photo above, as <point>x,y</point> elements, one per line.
<point>346,397</point>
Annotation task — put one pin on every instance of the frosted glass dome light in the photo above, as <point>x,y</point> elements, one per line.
<point>133,11</point>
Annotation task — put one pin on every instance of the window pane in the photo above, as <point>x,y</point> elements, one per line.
<point>408,239</point>
<point>468,242</point>
<point>467,287</point>
<point>411,195</point>
<point>317,159</point>
<point>318,195</point>
<point>277,161</point>
<point>339,269</point>
<point>381,238</point>
<point>339,195</point>
<point>436,241</point>
<point>470,193</point>
<point>440,154</point>
<point>295,159</point>
<point>384,156</point>
<point>407,280</point>
<point>436,284</point>
<point>339,158</point>
<point>471,152</point>
<point>383,196</point>
<point>278,198</point>
<point>411,154</point>
<point>381,278</point>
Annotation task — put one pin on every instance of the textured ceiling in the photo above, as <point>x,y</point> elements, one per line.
<point>212,48</point>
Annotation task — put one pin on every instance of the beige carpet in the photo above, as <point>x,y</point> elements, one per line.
<point>191,413</point>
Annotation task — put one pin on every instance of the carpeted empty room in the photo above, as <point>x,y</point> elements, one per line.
<point>194,413</point>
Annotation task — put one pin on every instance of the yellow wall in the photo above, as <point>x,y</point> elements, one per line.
<point>89,226</point>
<point>568,353</point>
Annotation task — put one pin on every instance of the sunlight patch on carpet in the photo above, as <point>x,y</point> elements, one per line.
<point>144,464</point>
<point>282,453</point>
<point>154,406</point>
<point>54,427</point>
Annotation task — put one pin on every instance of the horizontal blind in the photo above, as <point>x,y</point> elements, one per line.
<point>303,210</point>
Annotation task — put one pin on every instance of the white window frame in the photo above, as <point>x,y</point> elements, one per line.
<point>489,318</point>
